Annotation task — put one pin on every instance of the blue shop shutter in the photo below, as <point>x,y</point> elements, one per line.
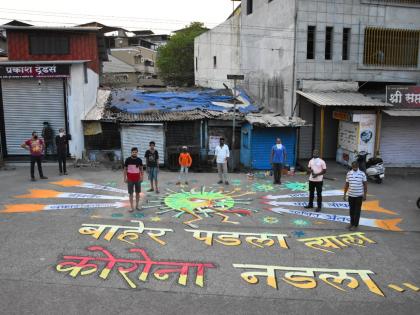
<point>263,140</point>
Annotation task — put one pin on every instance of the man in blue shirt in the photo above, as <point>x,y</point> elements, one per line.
<point>277,159</point>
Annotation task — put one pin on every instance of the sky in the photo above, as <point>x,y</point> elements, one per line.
<point>161,16</point>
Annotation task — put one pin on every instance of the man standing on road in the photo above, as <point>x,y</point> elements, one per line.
<point>48,136</point>
<point>61,142</point>
<point>36,148</point>
<point>152,163</point>
<point>277,159</point>
<point>221,155</point>
<point>133,176</point>
<point>317,168</point>
<point>356,186</point>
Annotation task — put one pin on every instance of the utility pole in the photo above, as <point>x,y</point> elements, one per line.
<point>234,77</point>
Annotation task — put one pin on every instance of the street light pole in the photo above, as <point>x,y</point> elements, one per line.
<point>234,77</point>
<point>234,116</point>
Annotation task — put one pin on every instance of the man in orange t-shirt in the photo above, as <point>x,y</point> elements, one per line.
<point>185,162</point>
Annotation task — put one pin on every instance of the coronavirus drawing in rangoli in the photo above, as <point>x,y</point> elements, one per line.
<point>200,204</point>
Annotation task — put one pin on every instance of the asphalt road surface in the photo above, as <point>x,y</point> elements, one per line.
<point>70,247</point>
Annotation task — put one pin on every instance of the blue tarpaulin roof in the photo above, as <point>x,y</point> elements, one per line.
<point>137,101</point>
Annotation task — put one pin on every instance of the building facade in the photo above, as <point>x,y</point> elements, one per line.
<point>283,47</point>
<point>51,75</point>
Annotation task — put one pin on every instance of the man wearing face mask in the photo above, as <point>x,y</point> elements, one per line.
<point>36,148</point>
<point>61,142</point>
<point>317,168</point>
<point>277,159</point>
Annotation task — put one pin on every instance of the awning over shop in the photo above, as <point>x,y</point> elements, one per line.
<point>341,99</point>
<point>270,120</point>
<point>403,112</point>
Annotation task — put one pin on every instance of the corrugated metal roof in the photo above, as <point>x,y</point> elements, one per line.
<point>342,99</point>
<point>270,120</point>
<point>403,112</point>
<point>160,116</point>
<point>103,111</point>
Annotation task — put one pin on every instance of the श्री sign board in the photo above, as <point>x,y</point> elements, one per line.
<point>403,96</point>
<point>34,71</point>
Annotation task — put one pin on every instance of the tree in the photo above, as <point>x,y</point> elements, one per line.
<point>175,60</point>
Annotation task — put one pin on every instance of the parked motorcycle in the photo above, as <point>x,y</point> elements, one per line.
<point>374,167</point>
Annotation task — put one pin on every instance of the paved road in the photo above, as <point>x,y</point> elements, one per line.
<point>40,227</point>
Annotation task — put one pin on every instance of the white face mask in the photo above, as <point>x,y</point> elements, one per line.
<point>61,134</point>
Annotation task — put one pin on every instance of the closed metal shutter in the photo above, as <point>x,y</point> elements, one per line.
<point>139,136</point>
<point>305,133</point>
<point>27,105</point>
<point>263,140</point>
<point>400,141</point>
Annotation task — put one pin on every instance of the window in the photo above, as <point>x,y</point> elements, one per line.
<point>249,5</point>
<point>328,42</point>
<point>310,44</point>
<point>214,62</point>
<point>196,64</point>
<point>346,43</point>
<point>48,44</point>
<point>391,47</point>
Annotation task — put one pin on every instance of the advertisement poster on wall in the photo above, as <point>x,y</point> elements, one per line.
<point>366,137</point>
<point>213,143</point>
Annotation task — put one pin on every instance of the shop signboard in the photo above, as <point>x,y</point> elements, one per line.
<point>34,71</point>
<point>403,96</point>
<point>341,116</point>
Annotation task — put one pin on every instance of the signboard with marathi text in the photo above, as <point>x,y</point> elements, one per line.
<point>341,116</point>
<point>34,71</point>
<point>403,96</point>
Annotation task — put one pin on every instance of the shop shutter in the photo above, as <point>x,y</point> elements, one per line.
<point>27,105</point>
<point>139,136</point>
<point>305,133</point>
<point>400,141</point>
<point>263,140</point>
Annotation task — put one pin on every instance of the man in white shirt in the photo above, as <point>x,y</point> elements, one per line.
<point>317,168</point>
<point>221,155</point>
<point>356,186</point>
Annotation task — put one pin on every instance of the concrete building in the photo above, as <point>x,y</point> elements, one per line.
<point>141,58</point>
<point>51,74</point>
<point>287,49</point>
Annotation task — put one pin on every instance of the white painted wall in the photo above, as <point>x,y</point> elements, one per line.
<point>259,46</point>
<point>267,41</point>
<point>223,42</point>
<point>81,97</point>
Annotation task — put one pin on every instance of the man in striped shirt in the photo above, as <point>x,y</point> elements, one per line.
<point>356,187</point>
